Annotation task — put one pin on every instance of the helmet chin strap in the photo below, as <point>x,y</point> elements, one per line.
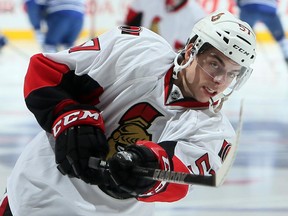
<point>178,67</point>
<point>216,102</point>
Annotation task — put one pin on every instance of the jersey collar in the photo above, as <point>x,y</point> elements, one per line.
<point>174,97</point>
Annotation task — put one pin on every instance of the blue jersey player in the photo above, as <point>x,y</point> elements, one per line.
<point>64,20</point>
<point>265,11</point>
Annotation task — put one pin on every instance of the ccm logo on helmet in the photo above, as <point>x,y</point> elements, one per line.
<point>81,115</point>
<point>241,50</point>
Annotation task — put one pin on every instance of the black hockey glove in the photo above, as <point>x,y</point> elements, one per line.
<point>79,134</point>
<point>143,154</point>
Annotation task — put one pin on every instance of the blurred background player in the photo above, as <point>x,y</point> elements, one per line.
<point>172,19</point>
<point>64,20</point>
<point>265,11</point>
<point>36,16</point>
<point>3,41</point>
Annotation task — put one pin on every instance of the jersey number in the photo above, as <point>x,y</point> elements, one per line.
<point>84,46</point>
<point>202,162</point>
<point>132,30</point>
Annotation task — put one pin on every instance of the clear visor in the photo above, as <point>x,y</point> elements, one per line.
<point>221,71</point>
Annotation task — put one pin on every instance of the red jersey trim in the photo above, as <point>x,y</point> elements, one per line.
<point>176,8</point>
<point>43,72</point>
<point>131,14</point>
<point>186,102</point>
<point>3,205</point>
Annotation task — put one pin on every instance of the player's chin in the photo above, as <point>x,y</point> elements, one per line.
<point>207,94</point>
<point>203,99</point>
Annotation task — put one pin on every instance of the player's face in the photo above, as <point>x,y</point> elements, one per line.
<point>210,73</point>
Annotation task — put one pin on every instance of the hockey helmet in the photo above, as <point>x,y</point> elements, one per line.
<point>231,36</point>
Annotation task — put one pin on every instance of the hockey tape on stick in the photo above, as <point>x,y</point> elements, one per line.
<point>181,177</point>
<point>160,175</point>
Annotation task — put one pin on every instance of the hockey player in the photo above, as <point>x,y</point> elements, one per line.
<point>63,20</point>
<point>3,41</point>
<point>126,97</point>
<point>172,19</point>
<point>36,16</point>
<point>265,11</point>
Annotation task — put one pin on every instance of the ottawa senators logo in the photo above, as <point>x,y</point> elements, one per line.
<point>133,127</point>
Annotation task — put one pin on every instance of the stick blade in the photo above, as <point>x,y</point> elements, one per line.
<point>230,158</point>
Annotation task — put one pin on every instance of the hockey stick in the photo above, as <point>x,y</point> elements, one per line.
<point>18,51</point>
<point>160,175</point>
<point>181,177</point>
<point>229,160</point>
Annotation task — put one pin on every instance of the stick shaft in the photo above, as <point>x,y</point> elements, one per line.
<point>161,175</point>
<point>174,177</point>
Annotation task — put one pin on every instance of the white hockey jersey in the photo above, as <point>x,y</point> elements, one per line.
<point>133,71</point>
<point>173,25</point>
